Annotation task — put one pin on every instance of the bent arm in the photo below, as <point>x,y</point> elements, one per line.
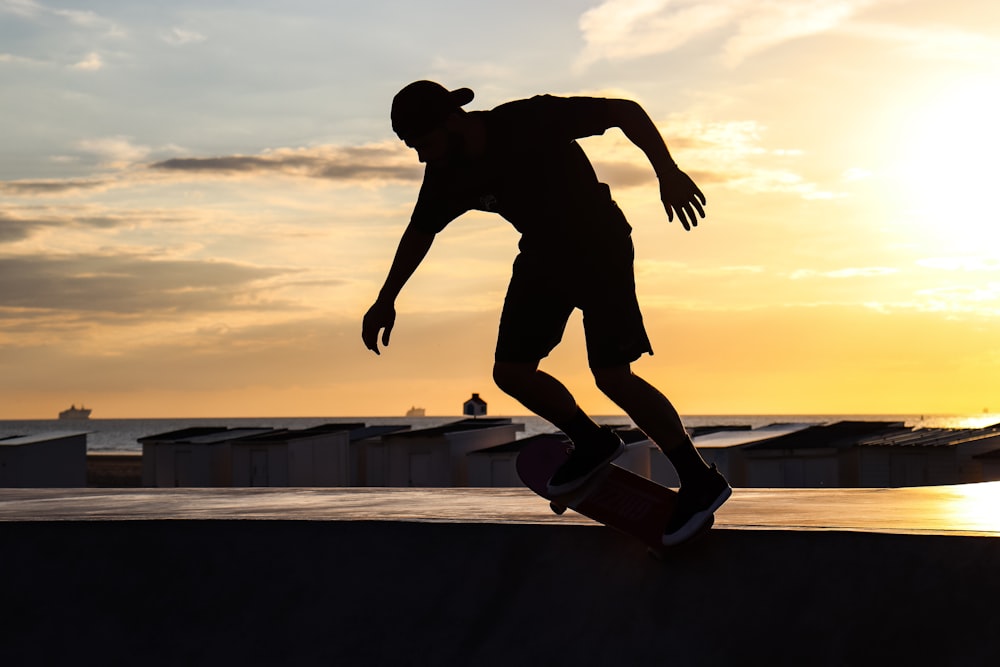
<point>678,192</point>
<point>636,124</point>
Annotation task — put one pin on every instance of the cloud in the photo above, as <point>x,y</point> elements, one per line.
<point>182,36</point>
<point>11,59</point>
<point>36,11</point>
<point>91,63</point>
<point>369,163</point>
<point>629,29</point>
<point>960,263</point>
<point>962,298</point>
<point>129,284</point>
<point>765,25</point>
<point>733,149</point>
<point>15,228</point>
<point>116,152</point>
<point>732,153</point>
<point>862,272</point>
<point>935,42</point>
<point>41,188</point>
<point>855,174</point>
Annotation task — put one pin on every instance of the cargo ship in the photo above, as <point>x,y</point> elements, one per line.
<point>74,412</point>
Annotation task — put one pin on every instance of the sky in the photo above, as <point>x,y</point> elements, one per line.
<point>199,201</point>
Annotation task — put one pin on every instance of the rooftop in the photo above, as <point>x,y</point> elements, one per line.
<point>738,437</point>
<point>457,426</point>
<point>16,440</point>
<point>837,435</point>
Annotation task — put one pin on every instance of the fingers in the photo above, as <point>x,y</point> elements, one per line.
<point>379,319</point>
<point>688,206</point>
<point>699,206</point>
<point>370,337</point>
<point>369,334</point>
<point>371,340</point>
<point>697,195</point>
<point>685,213</point>
<point>688,211</point>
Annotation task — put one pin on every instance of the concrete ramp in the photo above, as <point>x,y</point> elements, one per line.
<point>243,592</point>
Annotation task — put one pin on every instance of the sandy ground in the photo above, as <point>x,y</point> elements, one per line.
<point>114,470</point>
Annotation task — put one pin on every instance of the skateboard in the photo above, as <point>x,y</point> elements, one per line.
<point>614,497</point>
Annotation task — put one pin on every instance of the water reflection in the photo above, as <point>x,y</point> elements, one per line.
<point>974,507</point>
<point>978,421</point>
<point>954,421</point>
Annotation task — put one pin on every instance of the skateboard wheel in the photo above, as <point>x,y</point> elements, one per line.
<point>556,507</point>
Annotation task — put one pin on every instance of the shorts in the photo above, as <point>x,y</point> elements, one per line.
<point>546,287</point>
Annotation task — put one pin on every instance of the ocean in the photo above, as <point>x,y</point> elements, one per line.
<point>122,435</point>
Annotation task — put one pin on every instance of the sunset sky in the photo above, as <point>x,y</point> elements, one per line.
<point>199,201</point>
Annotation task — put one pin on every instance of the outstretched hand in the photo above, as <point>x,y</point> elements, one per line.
<point>380,316</point>
<point>680,195</point>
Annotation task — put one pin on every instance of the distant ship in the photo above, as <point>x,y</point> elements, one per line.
<point>416,412</point>
<point>74,412</point>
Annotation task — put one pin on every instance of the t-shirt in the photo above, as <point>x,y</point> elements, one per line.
<point>533,173</point>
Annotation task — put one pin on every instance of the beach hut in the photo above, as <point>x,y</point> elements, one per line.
<point>363,440</point>
<point>56,459</point>
<point>926,457</point>
<point>434,457</point>
<point>724,449</point>
<point>990,465</point>
<point>197,456</point>
<point>311,457</point>
<point>495,467</point>
<point>823,455</point>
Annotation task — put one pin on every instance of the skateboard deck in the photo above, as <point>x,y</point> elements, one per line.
<point>615,496</point>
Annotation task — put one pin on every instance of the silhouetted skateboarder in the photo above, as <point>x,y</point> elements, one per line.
<point>521,160</point>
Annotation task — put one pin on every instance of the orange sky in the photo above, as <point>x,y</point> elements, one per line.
<point>198,205</point>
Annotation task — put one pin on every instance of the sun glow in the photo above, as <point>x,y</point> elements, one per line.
<point>975,507</point>
<point>947,169</point>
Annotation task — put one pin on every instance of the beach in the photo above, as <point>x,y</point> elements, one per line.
<point>117,470</point>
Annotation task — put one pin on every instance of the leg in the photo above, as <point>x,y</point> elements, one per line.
<point>535,312</point>
<point>594,446</point>
<point>540,298</point>
<point>547,397</point>
<point>703,489</point>
<point>655,416</point>
<point>651,411</point>
<point>536,390</point>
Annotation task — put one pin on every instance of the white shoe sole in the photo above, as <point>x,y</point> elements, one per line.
<point>697,522</point>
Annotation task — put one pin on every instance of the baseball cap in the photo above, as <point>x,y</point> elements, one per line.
<point>423,105</point>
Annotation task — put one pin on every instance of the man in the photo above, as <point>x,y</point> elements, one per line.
<point>521,160</point>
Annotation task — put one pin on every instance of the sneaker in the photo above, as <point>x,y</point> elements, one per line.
<point>584,461</point>
<point>696,503</point>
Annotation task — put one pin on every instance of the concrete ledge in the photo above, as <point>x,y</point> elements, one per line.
<point>968,509</point>
<point>168,592</point>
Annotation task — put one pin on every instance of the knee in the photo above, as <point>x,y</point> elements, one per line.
<point>510,377</point>
<point>612,381</point>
